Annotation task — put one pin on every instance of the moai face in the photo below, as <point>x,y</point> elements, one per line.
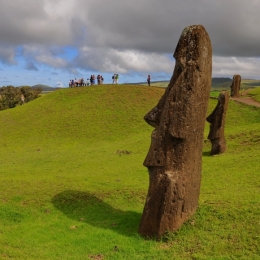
<point>217,124</point>
<point>175,155</point>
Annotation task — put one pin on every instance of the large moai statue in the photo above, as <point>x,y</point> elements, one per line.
<point>217,124</point>
<point>235,87</point>
<point>175,155</point>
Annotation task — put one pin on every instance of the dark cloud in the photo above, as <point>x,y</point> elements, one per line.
<point>31,66</point>
<point>156,26</point>
<point>7,54</point>
<point>34,21</point>
<point>127,36</point>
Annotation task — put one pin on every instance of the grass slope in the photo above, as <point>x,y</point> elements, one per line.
<point>255,94</point>
<point>249,83</point>
<point>217,84</point>
<point>73,185</point>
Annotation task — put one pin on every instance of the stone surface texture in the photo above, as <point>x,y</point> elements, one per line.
<point>217,124</point>
<point>175,155</point>
<point>235,86</point>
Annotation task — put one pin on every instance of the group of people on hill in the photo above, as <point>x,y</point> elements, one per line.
<point>76,83</point>
<point>92,81</point>
<point>115,78</point>
<point>100,79</point>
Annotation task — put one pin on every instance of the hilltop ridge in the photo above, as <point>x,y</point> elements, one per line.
<point>87,112</point>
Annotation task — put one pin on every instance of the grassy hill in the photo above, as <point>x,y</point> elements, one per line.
<point>73,185</point>
<point>250,83</point>
<point>217,84</point>
<point>44,88</point>
<point>255,94</point>
<point>221,83</point>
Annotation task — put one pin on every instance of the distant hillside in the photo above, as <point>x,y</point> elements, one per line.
<point>222,83</point>
<point>250,83</point>
<point>44,87</point>
<point>225,83</point>
<point>216,83</point>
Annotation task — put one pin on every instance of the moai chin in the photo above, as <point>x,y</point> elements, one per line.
<point>235,86</point>
<point>175,155</point>
<point>217,124</point>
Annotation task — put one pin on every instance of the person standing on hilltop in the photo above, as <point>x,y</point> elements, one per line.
<point>22,99</point>
<point>113,78</point>
<point>98,79</point>
<point>117,77</point>
<point>149,80</point>
<point>87,82</point>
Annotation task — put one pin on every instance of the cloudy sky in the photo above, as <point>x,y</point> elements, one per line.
<point>52,41</point>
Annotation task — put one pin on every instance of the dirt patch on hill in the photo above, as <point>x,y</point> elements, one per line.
<point>247,100</point>
<point>244,98</point>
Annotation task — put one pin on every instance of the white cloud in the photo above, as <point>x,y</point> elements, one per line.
<point>59,85</point>
<point>122,61</point>
<point>44,55</point>
<point>229,66</point>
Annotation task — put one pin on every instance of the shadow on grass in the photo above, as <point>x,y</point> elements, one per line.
<point>207,153</point>
<point>88,208</point>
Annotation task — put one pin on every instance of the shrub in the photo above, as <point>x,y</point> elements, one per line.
<point>11,96</point>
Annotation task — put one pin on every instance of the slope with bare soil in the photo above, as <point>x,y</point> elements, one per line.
<point>244,98</point>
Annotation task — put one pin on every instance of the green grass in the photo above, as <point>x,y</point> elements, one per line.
<point>249,83</point>
<point>214,93</point>
<point>217,84</point>
<point>255,93</point>
<point>70,191</point>
<point>160,84</point>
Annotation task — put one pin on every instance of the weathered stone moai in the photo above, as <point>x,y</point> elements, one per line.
<point>235,87</point>
<point>175,155</point>
<point>217,124</point>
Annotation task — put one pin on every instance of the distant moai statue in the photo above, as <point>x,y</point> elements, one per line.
<point>175,155</point>
<point>217,124</point>
<point>235,87</point>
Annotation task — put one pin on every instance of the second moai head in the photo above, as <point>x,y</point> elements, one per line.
<point>217,121</point>
<point>235,87</point>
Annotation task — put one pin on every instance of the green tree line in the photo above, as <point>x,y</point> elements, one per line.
<point>12,96</point>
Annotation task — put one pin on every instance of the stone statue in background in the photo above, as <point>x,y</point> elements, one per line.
<point>175,155</point>
<point>217,124</point>
<point>235,87</point>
